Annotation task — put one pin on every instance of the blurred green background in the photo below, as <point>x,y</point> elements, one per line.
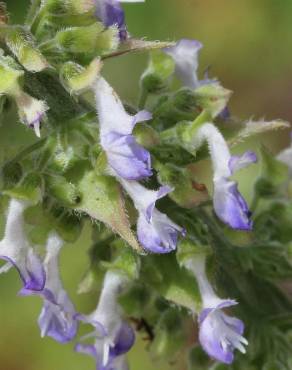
<point>248,45</point>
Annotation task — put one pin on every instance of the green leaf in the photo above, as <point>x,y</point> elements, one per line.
<point>101,199</point>
<point>252,128</point>
<point>135,45</point>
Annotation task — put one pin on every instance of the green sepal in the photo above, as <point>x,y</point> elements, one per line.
<point>102,199</point>
<point>171,281</point>
<point>46,219</point>
<point>125,261</point>
<point>76,78</point>
<point>197,358</point>
<point>187,193</point>
<point>137,300</point>
<point>269,260</point>
<point>212,97</point>
<point>183,133</point>
<point>29,188</point>
<point>11,174</point>
<point>160,68</point>
<point>146,135</point>
<point>273,174</point>
<point>275,223</point>
<point>174,108</point>
<point>169,335</point>
<point>61,155</point>
<point>188,249</point>
<point>63,190</point>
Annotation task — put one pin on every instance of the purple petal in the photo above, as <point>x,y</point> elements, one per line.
<point>238,162</point>
<point>88,320</point>
<point>158,235</point>
<point>124,341</point>
<point>230,206</point>
<point>224,114</point>
<point>142,116</point>
<point>161,193</point>
<point>130,160</point>
<point>185,55</point>
<point>220,334</point>
<point>31,272</point>
<point>57,323</point>
<point>110,12</point>
<point>223,304</point>
<point>87,349</point>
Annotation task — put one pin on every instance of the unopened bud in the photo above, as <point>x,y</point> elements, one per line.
<point>66,192</point>
<point>212,97</point>
<point>31,111</point>
<point>10,73</point>
<point>92,40</point>
<point>22,45</point>
<point>156,76</point>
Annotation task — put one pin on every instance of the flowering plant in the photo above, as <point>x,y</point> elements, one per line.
<point>167,245</point>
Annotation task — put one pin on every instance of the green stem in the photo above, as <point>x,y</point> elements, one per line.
<point>35,5</point>
<point>143,98</point>
<point>37,20</point>
<point>202,118</point>
<point>254,203</point>
<point>26,151</point>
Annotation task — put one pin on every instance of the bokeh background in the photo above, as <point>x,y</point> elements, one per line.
<point>248,45</point>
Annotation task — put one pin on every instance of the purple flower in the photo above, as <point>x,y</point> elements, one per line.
<point>156,232</point>
<point>185,55</point>
<point>110,12</point>
<point>128,159</point>
<point>57,318</point>
<point>113,337</point>
<point>229,204</point>
<point>219,334</point>
<point>16,251</point>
